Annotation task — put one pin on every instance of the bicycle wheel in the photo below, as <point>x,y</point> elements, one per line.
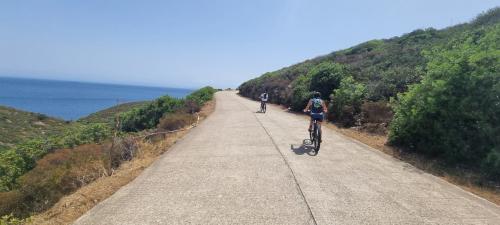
<point>264,108</point>
<point>317,137</point>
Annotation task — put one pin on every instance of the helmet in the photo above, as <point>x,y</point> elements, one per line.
<point>316,94</point>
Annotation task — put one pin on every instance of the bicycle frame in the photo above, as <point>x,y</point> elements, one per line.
<point>315,135</point>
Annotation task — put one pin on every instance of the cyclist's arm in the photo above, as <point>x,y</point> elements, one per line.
<point>308,106</point>
<point>325,109</point>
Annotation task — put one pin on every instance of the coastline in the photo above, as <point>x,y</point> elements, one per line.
<point>70,100</point>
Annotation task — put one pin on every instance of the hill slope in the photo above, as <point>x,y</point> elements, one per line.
<point>385,67</point>
<point>108,115</point>
<point>17,125</point>
<point>435,91</point>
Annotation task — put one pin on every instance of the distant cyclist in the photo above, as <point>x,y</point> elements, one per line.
<point>263,100</point>
<point>318,109</point>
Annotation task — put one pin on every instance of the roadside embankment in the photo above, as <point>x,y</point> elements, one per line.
<point>71,207</point>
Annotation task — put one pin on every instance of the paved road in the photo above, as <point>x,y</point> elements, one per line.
<point>242,167</point>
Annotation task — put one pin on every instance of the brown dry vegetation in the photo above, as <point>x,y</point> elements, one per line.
<point>175,121</point>
<point>72,206</point>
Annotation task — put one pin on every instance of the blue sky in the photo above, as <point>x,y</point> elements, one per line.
<point>196,43</point>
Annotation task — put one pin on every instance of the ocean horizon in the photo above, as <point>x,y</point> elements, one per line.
<point>71,100</point>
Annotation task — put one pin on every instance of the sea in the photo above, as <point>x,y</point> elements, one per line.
<point>70,100</point>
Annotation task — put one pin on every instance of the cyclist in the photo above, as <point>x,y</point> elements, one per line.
<point>263,100</point>
<point>318,109</point>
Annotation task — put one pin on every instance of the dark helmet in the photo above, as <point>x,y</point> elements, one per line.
<point>316,94</point>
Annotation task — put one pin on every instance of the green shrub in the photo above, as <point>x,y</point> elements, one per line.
<point>393,81</point>
<point>201,96</point>
<point>11,220</point>
<point>22,158</point>
<point>491,164</point>
<point>12,165</point>
<point>300,93</point>
<point>326,77</point>
<point>453,112</point>
<point>85,134</point>
<point>347,100</point>
<point>148,116</point>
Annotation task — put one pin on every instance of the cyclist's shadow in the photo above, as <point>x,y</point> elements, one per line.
<point>303,149</point>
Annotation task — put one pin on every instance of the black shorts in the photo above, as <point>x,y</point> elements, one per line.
<point>318,116</point>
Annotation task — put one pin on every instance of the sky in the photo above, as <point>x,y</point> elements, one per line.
<point>191,44</point>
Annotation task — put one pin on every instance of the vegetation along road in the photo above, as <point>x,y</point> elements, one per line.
<point>243,167</point>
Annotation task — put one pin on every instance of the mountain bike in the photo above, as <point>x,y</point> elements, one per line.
<point>315,133</point>
<point>263,107</point>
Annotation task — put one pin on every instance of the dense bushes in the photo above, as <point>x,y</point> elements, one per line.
<point>197,99</point>
<point>22,158</point>
<point>347,100</point>
<point>149,115</point>
<point>300,93</point>
<point>326,77</point>
<point>62,172</point>
<point>454,112</point>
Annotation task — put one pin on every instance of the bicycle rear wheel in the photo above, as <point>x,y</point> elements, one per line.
<point>317,137</point>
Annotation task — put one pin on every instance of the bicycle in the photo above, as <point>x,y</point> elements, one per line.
<point>315,133</point>
<point>263,107</point>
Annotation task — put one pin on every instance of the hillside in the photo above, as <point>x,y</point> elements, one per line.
<point>17,125</point>
<point>108,115</point>
<point>385,67</point>
<point>433,92</point>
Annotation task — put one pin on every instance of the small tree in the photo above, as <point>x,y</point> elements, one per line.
<point>347,100</point>
<point>300,92</point>
<point>326,77</point>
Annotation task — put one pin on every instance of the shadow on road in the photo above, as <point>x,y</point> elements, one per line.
<point>303,149</point>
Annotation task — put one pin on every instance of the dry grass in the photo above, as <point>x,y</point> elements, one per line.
<point>175,121</point>
<point>71,207</point>
<point>465,179</point>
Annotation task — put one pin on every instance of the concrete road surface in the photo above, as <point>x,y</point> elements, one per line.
<point>243,167</point>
